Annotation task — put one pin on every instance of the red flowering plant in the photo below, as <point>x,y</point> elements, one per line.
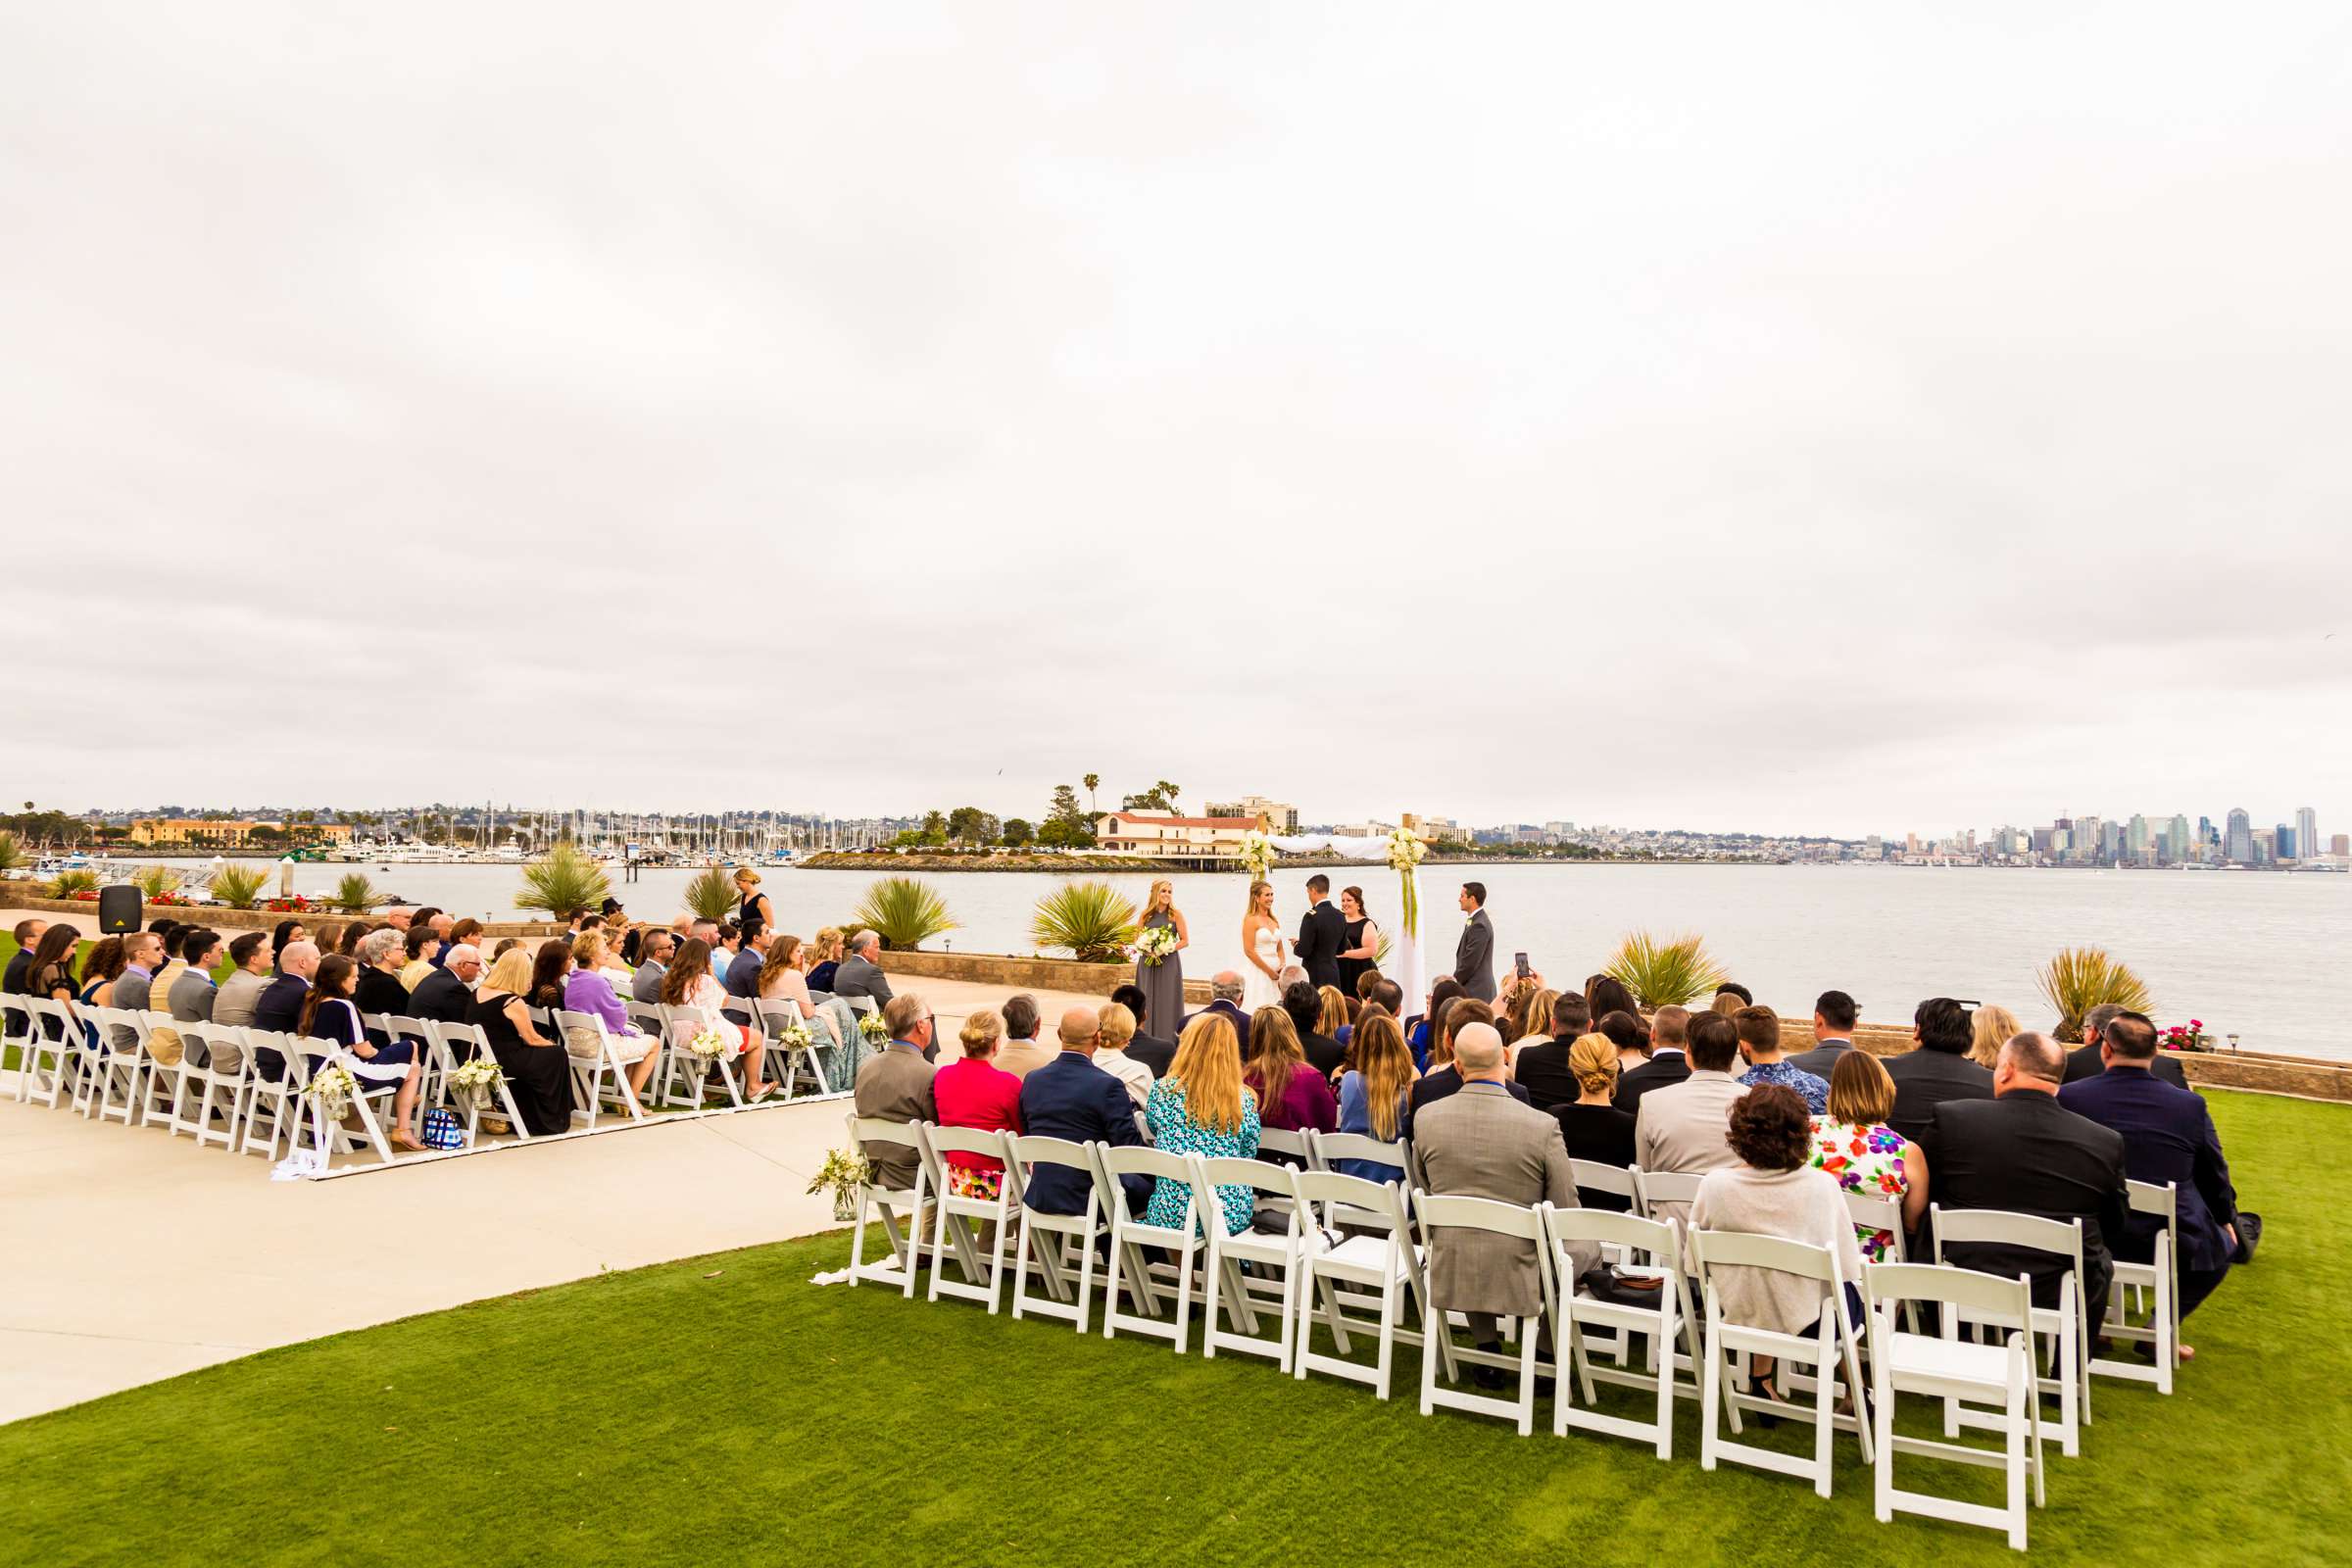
<point>2191,1038</point>
<point>297,905</point>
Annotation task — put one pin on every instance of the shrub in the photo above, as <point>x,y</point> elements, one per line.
<point>157,881</point>
<point>1664,973</point>
<point>2080,979</point>
<point>12,855</point>
<point>562,880</point>
<point>711,894</point>
<point>904,912</point>
<point>1092,921</point>
<point>69,883</point>
<point>239,886</point>
<point>355,895</point>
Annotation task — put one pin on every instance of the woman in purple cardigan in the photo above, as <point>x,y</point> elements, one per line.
<point>1290,1095</point>
<point>587,989</point>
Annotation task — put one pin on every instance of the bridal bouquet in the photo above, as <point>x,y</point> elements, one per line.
<point>476,1083</point>
<point>870,1025</point>
<point>1257,853</point>
<point>330,1088</point>
<point>842,1174</point>
<point>1406,850</point>
<point>711,1045</point>
<point>1155,944</point>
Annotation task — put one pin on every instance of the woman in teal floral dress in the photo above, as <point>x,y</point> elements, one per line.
<point>1853,1144</point>
<point>1203,1108</point>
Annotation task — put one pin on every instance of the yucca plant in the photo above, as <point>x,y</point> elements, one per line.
<point>562,880</point>
<point>904,912</point>
<point>355,895</point>
<point>67,883</point>
<point>711,894</point>
<point>239,886</point>
<point>1662,972</point>
<point>157,880</point>
<point>1092,920</point>
<point>12,855</point>
<point>2080,979</point>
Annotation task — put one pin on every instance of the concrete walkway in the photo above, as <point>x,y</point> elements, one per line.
<point>132,1256</point>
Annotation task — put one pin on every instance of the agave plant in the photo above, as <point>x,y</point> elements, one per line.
<point>1664,973</point>
<point>239,886</point>
<point>1092,920</point>
<point>355,895</point>
<point>562,880</point>
<point>2080,979</point>
<point>12,853</point>
<point>904,912</point>
<point>157,880</point>
<point>711,894</point>
<point>67,883</point>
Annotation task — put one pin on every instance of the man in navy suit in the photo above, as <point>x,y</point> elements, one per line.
<point>1322,933</point>
<point>2089,1061</point>
<point>1227,989</point>
<point>2167,1137</point>
<point>1072,1098</point>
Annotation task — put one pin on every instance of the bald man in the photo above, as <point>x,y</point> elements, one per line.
<point>280,1006</point>
<point>1072,1098</point>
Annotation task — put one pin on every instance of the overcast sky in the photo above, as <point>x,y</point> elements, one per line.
<point>1912,417</point>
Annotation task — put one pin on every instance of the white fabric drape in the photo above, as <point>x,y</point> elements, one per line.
<point>1405,964</point>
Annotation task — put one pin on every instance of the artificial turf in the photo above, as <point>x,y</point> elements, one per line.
<point>725,1410</point>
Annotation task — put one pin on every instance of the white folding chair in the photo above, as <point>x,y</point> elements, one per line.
<point>1453,1212</point>
<point>1230,1248</point>
<point>686,1072</point>
<point>1666,1194</point>
<point>1291,1146</point>
<point>1884,1215</point>
<point>206,1050</point>
<point>332,1138</point>
<point>282,1094</point>
<point>600,1065</point>
<point>878,1201</point>
<point>1621,1181</point>
<point>771,1018</point>
<point>162,1089</point>
<point>1645,1246</point>
<point>1129,1236</point>
<point>2068,1324</point>
<point>1993,1378</point>
<point>2155,1279</point>
<point>117,1053</point>
<point>1379,1266</point>
<point>955,1211</point>
<point>46,1060</point>
<point>1821,1356</point>
<point>454,1046</point>
<point>1068,1233</point>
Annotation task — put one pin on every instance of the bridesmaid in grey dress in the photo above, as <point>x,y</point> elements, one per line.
<point>1162,983</point>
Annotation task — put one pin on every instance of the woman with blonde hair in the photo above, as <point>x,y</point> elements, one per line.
<point>1118,1025</point>
<point>1861,1154</point>
<point>1591,1125</point>
<point>1162,983</point>
<point>1264,952</point>
<point>1292,1097</point>
<point>974,1091</point>
<point>1203,1108</point>
<point>833,1023</point>
<point>1994,1027</point>
<point>1373,1093</point>
<point>1336,1015</point>
<point>824,959</point>
<point>588,988</point>
<point>1530,1015</point>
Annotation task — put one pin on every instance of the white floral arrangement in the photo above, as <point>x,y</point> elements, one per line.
<point>1156,944</point>
<point>1406,850</point>
<point>1257,853</point>
<point>870,1025</point>
<point>795,1036</point>
<point>844,1171</point>
<point>710,1044</point>
<point>476,1083</point>
<point>332,1088</point>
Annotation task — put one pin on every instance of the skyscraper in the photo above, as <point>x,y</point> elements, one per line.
<point>2182,848</point>
<point>2307,832</point>
<point>2237,842</point>
<point>2284,838</point>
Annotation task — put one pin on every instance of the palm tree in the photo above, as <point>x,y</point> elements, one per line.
<point>1091,779</point>
<point>1092,921</point>
<point>1664,972</point>
<point>2080,979</point>
<point>903,912</point>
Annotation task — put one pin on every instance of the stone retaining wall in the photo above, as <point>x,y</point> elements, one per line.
<point>84,913</point>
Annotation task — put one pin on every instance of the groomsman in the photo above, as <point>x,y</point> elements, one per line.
<point>1474,954</point>
<point>1322,933</point>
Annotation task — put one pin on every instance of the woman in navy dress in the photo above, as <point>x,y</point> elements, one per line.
<point>330,1013</point>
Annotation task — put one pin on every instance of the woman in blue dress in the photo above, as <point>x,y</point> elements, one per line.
<point>1203,1108</point>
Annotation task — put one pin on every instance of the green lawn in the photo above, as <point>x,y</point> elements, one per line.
<point>723,1409</point>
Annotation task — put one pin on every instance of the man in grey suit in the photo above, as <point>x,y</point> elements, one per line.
<point>861,973</point>
<point>1834,1015</point>
<point>242,991</point>
<point>894,1084</point>
<point>653,962</point>
<point>1685,1127</point>
<point>1482,1143</point>
<point>143,955</point>
<point>1474,954</point>
<point>194,993</point>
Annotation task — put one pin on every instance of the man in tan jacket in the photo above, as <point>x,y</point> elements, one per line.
<point>1482,1143</point>
<point>1685,1127</point>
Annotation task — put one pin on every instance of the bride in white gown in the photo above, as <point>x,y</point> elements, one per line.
<point>1263,952</point>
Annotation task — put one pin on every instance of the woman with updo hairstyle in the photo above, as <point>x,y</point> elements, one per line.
<point>1775,1191</point>
<point>973,1090</point>
<point>1590,1125</point>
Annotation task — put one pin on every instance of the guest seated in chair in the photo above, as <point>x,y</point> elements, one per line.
<point>328,1012</point>
<point>972,1092</point>
<point>1072,1098</point>
<point>588,988</point>
<point>1204,1106</point>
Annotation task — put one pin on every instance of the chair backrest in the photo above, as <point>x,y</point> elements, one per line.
<point>1661,1239</point>
<point>1281,1141</point>
<point>1656,1186</point>
<point>583,1032</point>
<point>56,1017</point>
<point>1325,1147</point>
<point>1877,1212</point>
<point>882,1130</point>
<point>1712,1249</point>
<point>1033,1149</point>
<point>1366,1205</point>
<point>1259,1176</point>
<point>2061,1238</point>
<point>964,1141</point>
<point>400,1026</point>
<point>646,1017</point>
<point>290,1049</point>
<point>1138,1160</point>
<point>1448,1212</point>
<point>2008,1301</point>
<point>2163,1202</point>
<point>1606,1178</point>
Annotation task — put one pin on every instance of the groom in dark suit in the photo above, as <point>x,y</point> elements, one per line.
<point>1322,933</point>
<point>1474,954</point>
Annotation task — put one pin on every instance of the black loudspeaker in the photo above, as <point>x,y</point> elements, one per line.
<point>120,910</point>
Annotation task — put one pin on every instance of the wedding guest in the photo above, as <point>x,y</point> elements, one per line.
<point>446,995</point>
<point>1605,995</point>
<point>551,967</point>
<point>1302,1005</point>
<point>1534,1007</point>
<point>895,1084</point>
<point>1444,1080</point>
<point>194,994</point>
<point>466,933</point>
<point>1374,1093</point>
<point>1157,1053</point>
<point>827,943</point>
<point>330,936</point>
<point>1937,1069</point>
<point>142,956</point>
<point>1336,1013</point>
<point>328,1012</point>
<point>1162,983</point>
<point>1423,1038</point>
<point>588,989</point>
<point>1854,1146</point>
<point>1022,1055</point>
<point>756,914</point>
<point>1733,988</point>
<point>742,978</point>
<point>698,1004</point>
<point>833,1026</point>
<point>1292,1097</point>
<point>1668,1064</point>
<point>973,1092</point>
<point>2090,1060</point>
<point>379,991</point>
<point>1117,1027</point>
<point>505,944</point>
<point>99,971</point>
<point>1624,1031</point>
<point>726,946</point>
<point>18,979</point>
<point>287,933</point>
<point>1225,992</point>
<point>417,948</point>
<point>1203,1108</point>
<point>279,1008</point>
<point>1068,1097</point>
<point>1681,1127</point>
<point>1590,1125</point>
<point>861,973</point>
<point>242,991</point>
<point>537,1070</point>
<point>174,966</point>
<point>397,919</point>
<point>1760,1042</point>
<point>1541,1066</point>
<point>1990,1032</point>
<point>1359,951</point>
<point>1834,1015</point>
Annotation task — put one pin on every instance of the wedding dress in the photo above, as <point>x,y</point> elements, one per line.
<point>1257,991</point>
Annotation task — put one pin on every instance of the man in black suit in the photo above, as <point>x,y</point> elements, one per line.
<point>1834,1015</point>
<point>1474,954</point>
<point>1542,1070</point>
<point>1937,1069</point>
<point>2167,1137</point>
<point>279,1007</point>
<point>2086,1062</point>
<point>1322,933</point>
<point>1305,1005</point>
<point>1155,1052</point>
<point>444,994</point>
<point>1669,1061</point>
<point>1226,989</point>
<point>2023,1152</point>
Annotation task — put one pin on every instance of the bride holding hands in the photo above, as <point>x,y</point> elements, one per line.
<point>1263,951</point>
